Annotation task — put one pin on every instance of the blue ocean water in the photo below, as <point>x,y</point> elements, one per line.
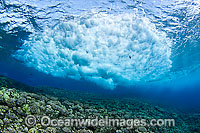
<point>130,48</point>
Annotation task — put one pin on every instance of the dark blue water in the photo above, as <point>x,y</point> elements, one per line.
<point>124,48</point>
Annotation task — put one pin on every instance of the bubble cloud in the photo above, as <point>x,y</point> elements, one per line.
<point>107,49</point>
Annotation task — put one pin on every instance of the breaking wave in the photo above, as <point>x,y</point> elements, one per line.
<point>107,49</point>
<point>110,43</point>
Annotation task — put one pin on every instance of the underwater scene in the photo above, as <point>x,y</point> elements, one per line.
<point>99,66</point>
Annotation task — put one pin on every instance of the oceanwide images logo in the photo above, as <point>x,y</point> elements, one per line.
<point>30,121</point>
<point>46,121</point>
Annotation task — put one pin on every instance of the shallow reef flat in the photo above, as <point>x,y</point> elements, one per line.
<point>17,101</point>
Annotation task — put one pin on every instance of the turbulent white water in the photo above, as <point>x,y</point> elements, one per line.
<point>106,49</point>
<point>110,43</point>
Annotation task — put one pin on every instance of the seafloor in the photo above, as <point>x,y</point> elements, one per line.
<point>18,100</point>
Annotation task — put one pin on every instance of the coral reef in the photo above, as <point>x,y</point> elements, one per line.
<point>16,105</point>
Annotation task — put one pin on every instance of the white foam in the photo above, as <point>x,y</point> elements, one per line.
<point>109,50</point>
